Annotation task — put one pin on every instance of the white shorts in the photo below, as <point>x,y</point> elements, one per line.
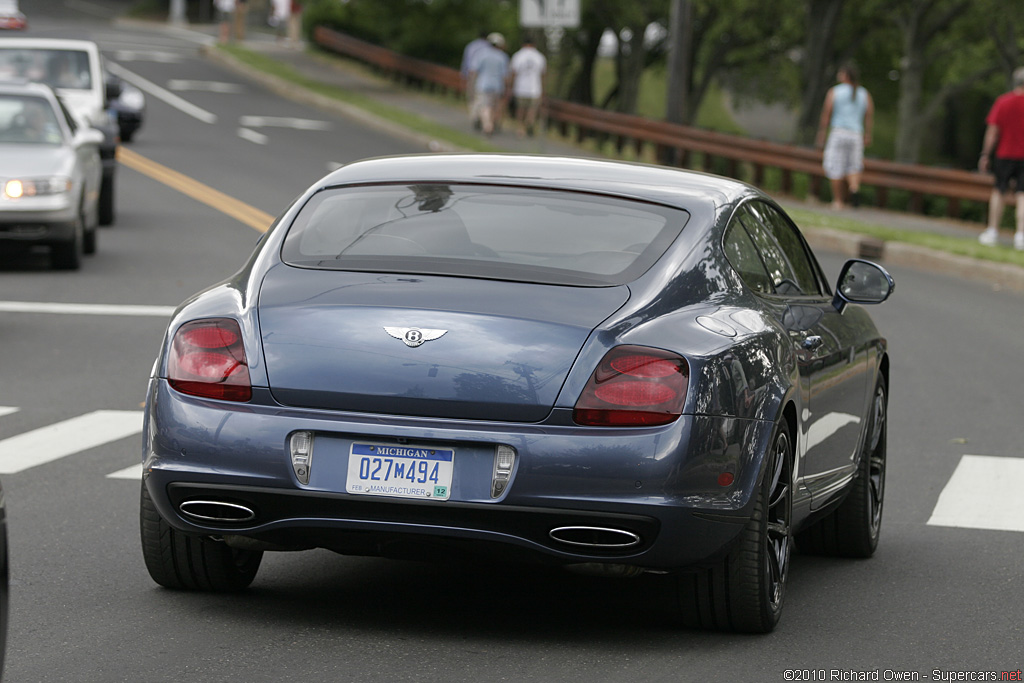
<point>844,153</point>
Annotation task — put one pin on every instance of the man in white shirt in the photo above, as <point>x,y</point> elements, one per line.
<point>527,69</point>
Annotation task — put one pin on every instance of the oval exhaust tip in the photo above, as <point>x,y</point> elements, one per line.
<point>595,537</point>
<point>216,511</point>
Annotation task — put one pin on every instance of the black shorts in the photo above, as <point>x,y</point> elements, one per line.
<point>1006,170</point>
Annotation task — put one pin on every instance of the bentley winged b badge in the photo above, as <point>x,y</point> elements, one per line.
<point>414,336</point>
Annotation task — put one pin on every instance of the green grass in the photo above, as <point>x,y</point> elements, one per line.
<point>954,245</point>
<point>401,117</point>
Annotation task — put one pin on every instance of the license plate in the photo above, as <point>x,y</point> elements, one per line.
<point>400,471</point>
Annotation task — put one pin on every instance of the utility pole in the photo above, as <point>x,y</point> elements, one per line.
<point>177,14</point>
<point>679,54</point>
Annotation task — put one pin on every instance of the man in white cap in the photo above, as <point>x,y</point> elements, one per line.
<point>487,81</point>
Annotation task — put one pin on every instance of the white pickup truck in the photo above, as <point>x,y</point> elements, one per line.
<point>74,70</point>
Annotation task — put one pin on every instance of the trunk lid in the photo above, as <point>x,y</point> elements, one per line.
<point>504,354</point>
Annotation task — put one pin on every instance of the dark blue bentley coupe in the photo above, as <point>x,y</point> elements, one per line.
<point>611,366</point>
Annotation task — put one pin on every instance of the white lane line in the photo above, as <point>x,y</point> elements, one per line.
<point>180,85</point>
<point>134,473</point>
<point>7,410</point>
<point>983,493</point>
<point>62,439</point>
<point>162,94</point>
<point>252,136</point>
<point>158,56</point>
<point>85,309</point>
<point>283,122</point>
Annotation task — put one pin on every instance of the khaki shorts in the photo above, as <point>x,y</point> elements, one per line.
<point>844,153</point>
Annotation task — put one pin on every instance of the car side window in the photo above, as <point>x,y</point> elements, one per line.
<point>789,268</point>
<point>792,246</point>
<point>742,254</point>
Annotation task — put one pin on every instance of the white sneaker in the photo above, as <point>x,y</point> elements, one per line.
<point>1018,241</point>
<point>989,237</point>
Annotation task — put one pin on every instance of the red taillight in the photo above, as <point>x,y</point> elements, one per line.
<point>207,359</point>
<point>634,386</point>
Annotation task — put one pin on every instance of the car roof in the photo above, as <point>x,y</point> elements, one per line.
<point>48,43</point>
<point>670,186</point>
<point>26,88</point>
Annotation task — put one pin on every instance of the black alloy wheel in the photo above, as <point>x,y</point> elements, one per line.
<point>745,592</point>
<point>876,459</point>
<point>778,534</point>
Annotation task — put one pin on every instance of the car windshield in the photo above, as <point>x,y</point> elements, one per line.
<point>508,233</point>
<point>66,69</point>
<point>29,120</point>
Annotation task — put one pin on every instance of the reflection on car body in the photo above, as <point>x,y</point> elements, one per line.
<point>630,369</point>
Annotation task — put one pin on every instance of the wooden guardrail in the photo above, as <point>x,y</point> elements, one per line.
<point>743,157</point>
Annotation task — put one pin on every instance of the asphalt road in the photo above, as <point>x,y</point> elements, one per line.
<point>83,608</point>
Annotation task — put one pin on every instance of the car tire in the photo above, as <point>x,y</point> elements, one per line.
<point>179,561</point>
<point>745,591</point>
<point>89,237</point>
<point>106,200</point>
<point>67,255</point>
<point>853,528</point>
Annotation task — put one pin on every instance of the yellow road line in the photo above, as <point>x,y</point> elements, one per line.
<point>250,215</point>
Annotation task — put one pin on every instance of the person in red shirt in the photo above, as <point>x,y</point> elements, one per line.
<point>1004,134</point>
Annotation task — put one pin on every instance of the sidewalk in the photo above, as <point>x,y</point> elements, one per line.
<point>451,113</point>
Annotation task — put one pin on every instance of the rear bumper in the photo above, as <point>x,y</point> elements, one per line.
<point>658,484</point>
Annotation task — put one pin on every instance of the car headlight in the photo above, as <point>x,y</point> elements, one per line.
<point>35,187</point>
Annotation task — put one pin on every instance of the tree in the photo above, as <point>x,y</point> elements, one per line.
<point>933,33</point>
<point>679,55</point>
<point>633,51</point>
<point>729,36</point>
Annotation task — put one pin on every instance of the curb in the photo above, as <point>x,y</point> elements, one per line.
<point>999,275</point>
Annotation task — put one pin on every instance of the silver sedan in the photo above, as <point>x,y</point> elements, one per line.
<point>50,175</point>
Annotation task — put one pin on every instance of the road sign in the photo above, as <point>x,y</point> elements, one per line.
<point>549,13</point>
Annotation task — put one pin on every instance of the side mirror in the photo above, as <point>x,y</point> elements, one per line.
<point>88,136</point>
<point>112,89</point>
<point>862,282</point>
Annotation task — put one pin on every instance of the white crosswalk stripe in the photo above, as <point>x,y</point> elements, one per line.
<point>56,441</point>
<point>7,410</point>
<point>133,472</point>
<point>983,493</point>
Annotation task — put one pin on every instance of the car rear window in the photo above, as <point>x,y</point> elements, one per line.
<point>58,68</point>
<point>498,232</point>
